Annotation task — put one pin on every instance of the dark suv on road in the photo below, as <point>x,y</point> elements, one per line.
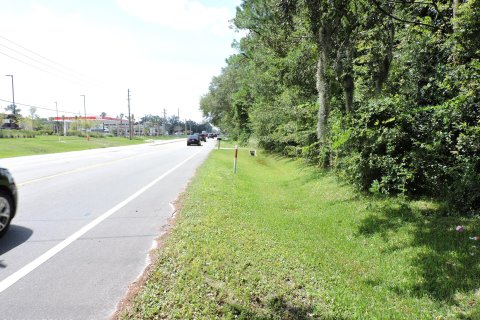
<point>193,139</point>
<point>8,200</point>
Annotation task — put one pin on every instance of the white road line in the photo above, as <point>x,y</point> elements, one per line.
<point>13,278</point>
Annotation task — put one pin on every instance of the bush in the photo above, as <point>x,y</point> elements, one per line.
<point>390,147</point>
<point>375,150</point>
<point>287,130</point>
<point>17,134</point>
<point>45,132</point>
<point>451,144</point>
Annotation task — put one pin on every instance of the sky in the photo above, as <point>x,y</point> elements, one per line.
<point>165,51</point>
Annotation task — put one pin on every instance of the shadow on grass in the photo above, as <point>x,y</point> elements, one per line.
<point>389,219</point>
<point>312,175</point>
<point>278,308</point>
<point>448,262</point>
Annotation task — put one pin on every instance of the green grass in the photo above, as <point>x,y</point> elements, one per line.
<point>283,241</point>
<point>54,144</point>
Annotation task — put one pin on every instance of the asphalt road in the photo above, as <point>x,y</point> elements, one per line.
<point>85,224</point>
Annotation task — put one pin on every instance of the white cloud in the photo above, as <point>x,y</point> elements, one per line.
<point>95,54</point>
<point>163,68</point>
<point>182,15</point>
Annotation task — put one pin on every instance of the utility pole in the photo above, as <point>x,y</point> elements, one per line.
<point>129,117</point>
<point>13,102</point>
<point>85,113</point>
<point>64,127</point>
<point>56,126</point>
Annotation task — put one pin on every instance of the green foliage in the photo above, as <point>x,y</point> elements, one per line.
<point>392,148</point>
<point>45,132</point>
<point>376,150</point>
<point>285,129</point>
<point>467,35</point>
<point>453,145</point>
<point>228,100</point>
<point>402,88</point>
<point>17,134</point>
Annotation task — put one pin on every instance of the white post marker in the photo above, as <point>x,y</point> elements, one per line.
<point>235,160</point>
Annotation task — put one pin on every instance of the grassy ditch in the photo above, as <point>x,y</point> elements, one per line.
<point>54,144</point>
<point>283,241</point>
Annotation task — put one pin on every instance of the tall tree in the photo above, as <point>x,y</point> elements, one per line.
<point>332,25</point>
<point>33,112</point>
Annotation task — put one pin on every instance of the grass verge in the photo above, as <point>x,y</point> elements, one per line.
<point>54,144</point>
<point>283,241</point>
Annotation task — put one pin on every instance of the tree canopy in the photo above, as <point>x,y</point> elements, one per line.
<point>384,92</point>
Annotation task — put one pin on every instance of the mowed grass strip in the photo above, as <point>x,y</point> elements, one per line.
<point>282,241</point>
<point>54,144</point>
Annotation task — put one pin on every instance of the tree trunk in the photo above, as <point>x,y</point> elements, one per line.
<point>455,7</point>
<point>347,79</point>
<point>348,90</point>
<point>323,107</point>
<point>322,86</point>
<point>384,68</point>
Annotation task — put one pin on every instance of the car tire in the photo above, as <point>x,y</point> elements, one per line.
<point>6,211</point>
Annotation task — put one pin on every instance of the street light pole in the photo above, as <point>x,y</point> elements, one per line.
<point>85,113</point>
<point>56,125</point>
<point>13,97</point>
<point>129,116</point>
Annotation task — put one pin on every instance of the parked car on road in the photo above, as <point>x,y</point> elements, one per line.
<point>194,139</point>
<point>8,200</point>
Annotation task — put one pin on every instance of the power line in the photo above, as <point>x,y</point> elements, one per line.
<point>45,58</point>
<point>71,75</point>
<point>37,61</point>
<point>43,108</point>
<point>35,67</point>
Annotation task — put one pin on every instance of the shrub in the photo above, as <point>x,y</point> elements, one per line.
<point>451,152</point>
<point>390,147</point>
<point>17,134</point>
<point>376,148</point>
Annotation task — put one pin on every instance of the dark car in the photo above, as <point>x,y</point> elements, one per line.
<point>8,200</point>
<point>201,136</point>
<point>194,139</point>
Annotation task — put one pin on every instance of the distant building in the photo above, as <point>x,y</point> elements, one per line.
<point>9,122</point>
